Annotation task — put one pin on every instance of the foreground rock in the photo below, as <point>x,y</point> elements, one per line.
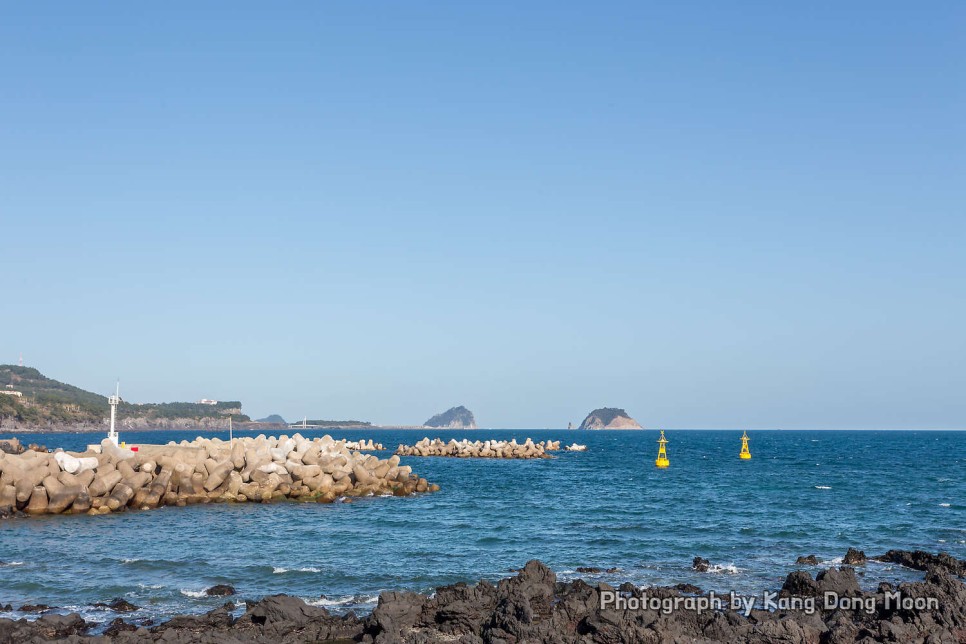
<point>201,471</point>
<point>11,446</point>
<point>533,607</point>
<point>919,560</point>
<point>479,449</point>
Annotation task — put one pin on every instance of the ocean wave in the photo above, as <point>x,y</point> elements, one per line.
<point>351,600</point>
<point>822,487</point>
<point>130,561</point>
<point>193,593</point>
<point>4,564</point>
<point>729,569</point>
<point>151,586</point>
<point>281,571</point>
<point>944,505</point>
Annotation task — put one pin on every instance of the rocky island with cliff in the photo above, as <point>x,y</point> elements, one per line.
<point>609,418</point>
<point>454,418</point>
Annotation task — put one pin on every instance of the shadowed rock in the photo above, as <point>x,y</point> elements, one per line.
<point>854,557</point>
<point>919,560</point>
<point>220,590</point>
<point>118,605</point>
<point>700,564</point>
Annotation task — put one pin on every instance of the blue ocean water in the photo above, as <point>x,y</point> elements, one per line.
<point>803,492</point>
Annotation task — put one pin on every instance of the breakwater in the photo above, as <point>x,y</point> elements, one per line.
<point>479,449</point>
<point>109,478</point>
<point>365,445</point>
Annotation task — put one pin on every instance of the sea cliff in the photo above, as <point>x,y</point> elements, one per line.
<point>609,418</point>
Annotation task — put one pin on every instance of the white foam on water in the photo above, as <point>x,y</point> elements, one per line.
<point>151,587</point>
<point>944,505</point>
<point>835,561</point>
<point>193,593</point>
<point>351,600</point>
<point>941,540</point>
<point>278,570</point>
<point>130,561</point>
<point>729,569</point>
<point>822,487</point>
<point>11,563</point>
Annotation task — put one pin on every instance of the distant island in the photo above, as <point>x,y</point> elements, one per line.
<point>455,418</point>
<point>274,419</point>
<point>333,424</point>
<point>609,418</point>
<point>30,400</point>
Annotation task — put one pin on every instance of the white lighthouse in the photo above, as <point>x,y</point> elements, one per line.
<point>114,401</point>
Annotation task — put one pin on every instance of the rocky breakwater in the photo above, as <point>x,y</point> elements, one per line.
<point>365,446</point>
<point>479,449</point>
<point>201,471</point>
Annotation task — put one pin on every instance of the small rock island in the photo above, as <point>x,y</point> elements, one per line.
<point>609,418</point>
<point>455,418</point>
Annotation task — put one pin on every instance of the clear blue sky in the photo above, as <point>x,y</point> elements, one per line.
<point>711,214</point>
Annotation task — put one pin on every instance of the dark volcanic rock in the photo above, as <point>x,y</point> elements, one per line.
<point>690,589</point>
<point>920,560</point>
<point>533,608</point>
<point>810,560</point>
<point>842,582</point>
<point>799,584</point>
<point>118,605</point>
<point>854,558</point>
<point>118,626</point>
<point>700,564</point>
<point>35,608</point>
<point>220,590</point>
<point>45,628</point>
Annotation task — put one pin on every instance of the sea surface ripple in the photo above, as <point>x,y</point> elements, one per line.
<point>803,492</point>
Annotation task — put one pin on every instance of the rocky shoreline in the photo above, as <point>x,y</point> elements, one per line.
<point>533,607</point>
<point>258,469</point>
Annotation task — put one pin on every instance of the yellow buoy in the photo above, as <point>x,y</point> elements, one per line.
<point>745,454</point>
<point>662,452</point>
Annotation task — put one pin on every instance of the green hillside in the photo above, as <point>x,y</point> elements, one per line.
<point>48,402</point>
